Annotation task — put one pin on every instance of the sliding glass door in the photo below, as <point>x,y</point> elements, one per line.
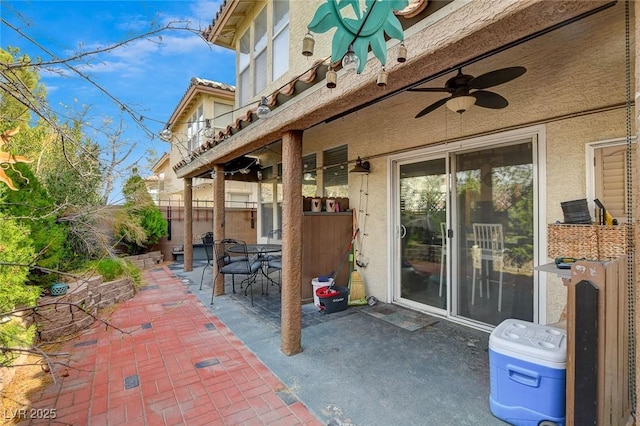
<point>464,226</point>
<point>422,214</point>
<point>493,234</point>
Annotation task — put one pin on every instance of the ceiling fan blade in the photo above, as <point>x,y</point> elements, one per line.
<point>489,99</point>
<point>494,78</point>
<point>432,89</point>
<point>432,107</point>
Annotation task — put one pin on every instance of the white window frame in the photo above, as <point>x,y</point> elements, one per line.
<point>280,33</point>
<point>194,127</point>
<point>590,155</point>
<point>244,68</point>
<point>259,52</point>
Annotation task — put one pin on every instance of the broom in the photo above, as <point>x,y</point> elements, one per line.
<point>356,287</point>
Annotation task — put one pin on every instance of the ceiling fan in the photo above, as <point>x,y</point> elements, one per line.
<point>461,85</point>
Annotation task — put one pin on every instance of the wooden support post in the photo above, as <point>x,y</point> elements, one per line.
<point>218,222</point>
<point>291,319</point>
<point>188,225</point>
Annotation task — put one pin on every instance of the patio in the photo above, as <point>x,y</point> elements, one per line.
<point>366,365</point>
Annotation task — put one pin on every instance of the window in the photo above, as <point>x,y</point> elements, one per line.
<point>611,178</point>
<point>244,60</point>
<point>267,38</point>
<point>280,43</point>
<point>223,116</point>
<point>336,177</point>
<point>309,176</point>
<point>266,201</point>
<point>196,122</point>
<point>260,52</point>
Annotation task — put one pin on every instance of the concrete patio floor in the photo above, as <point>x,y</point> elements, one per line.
<point>380,365</point>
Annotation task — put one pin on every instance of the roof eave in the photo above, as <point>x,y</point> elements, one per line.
<point>215,31</point>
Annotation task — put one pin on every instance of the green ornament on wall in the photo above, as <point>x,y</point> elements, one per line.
<point>360,28</point>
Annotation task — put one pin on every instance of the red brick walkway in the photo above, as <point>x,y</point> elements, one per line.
<point>178,365</point>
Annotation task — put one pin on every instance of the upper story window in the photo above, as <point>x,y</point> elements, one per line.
<point>260,52</point>
<point>244,71</point>
<point>263,50</point>
<point>194,126</point>
<point>280,41</point>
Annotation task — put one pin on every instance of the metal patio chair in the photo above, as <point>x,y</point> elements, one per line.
<point>238,263</point>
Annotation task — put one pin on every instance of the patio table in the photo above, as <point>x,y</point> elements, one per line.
<point>261,250</point>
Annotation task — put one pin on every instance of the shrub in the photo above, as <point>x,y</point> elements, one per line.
<point>111,269</point>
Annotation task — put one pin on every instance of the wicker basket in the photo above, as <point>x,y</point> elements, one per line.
<point>612,241</point>
<point>579,241</point>
<point>594,242</point>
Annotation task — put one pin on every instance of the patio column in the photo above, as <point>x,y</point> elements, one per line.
<point>218,222</point>
<point>187,249</point>
<point>291,322</point>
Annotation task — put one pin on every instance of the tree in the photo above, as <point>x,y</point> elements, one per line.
<point>139,223</point>
<point>16,251</point>
<point>32,207</point>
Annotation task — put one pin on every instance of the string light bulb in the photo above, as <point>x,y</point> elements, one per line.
<point>208,130</point>
<point>350,62</point>
<point>263,109</point>
<point>166,135</point>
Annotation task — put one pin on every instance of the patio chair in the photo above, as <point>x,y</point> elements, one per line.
<point>274,237</point>
<point>241,265</point>
<point>208,243</point>
<point>488,249</point>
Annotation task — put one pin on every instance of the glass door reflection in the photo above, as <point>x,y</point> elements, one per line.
<point>423,213</point>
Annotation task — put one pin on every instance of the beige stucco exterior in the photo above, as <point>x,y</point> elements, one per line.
<point>574,93</point>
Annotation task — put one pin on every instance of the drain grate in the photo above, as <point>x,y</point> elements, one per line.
<point>149,287</point>
<point>86,343</point>
<point>209,326</point>
<point>287,397</point>
<point>131,382</point>
<point>146,325</point>
<point>207,363</point>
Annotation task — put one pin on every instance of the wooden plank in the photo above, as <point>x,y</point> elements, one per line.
<point>608,320</point>
<point>571,332</point>
<point>586,358</point>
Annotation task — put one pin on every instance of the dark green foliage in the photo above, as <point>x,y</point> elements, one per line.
<point>33,208</point>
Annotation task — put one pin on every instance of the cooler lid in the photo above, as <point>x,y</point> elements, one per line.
<point>538,343</point>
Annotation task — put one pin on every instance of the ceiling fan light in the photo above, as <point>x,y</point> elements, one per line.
<point>461,104</point>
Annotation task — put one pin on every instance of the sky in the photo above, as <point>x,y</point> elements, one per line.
<point>147,76</point>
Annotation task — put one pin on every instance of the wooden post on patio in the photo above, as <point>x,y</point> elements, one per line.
<point>187,249</point>
<point>291,322</point>
<point>218,222</point>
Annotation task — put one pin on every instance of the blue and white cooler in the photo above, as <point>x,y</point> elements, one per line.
<point>527,364</point>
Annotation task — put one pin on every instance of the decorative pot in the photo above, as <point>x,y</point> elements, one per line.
<point>58,289</point>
